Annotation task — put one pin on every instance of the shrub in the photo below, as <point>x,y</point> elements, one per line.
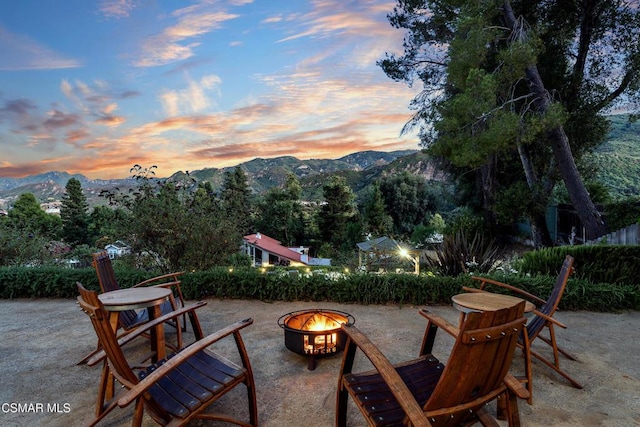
<point>282,285</point>
<point>613,264</point>
<point>459,254</point>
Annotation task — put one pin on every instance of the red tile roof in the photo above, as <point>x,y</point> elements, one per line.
<point>272,245</point>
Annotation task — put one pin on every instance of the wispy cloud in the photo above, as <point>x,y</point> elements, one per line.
<point>332,17</point>
<point>193,99</point>
<point>272,19</point>
<point>177,42</point>
<point>20,52</point>
<point>96,101</point>
<point>116,8</point>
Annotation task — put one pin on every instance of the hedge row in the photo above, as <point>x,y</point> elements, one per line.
<point>248,283</point>
<point>595,263</point>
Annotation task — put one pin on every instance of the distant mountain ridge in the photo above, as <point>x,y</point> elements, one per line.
<point>262,174</point>
<point>618,161</point>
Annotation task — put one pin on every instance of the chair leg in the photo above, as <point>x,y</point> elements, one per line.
<point>541,358</point>
<point>556,359</point>
<point>513,413</point>
<point>526,350</point>
<point>342,396</point>
<point>485,418</point>
<point>560,349</point>
<point>554,346</point>
<point>105,389</point>
<point>106,400</point>
<point>90,355</point>
<point>253,405</point>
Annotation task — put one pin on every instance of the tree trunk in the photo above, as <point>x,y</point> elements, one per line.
<point>539,229</point>
<point>585,208</point>
<point>486,180</point>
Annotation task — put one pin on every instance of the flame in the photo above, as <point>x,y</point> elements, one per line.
<point>320,322</point>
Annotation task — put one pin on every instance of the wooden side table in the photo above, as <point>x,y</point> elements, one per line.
<point>150,298</point>
<point>486,301</point>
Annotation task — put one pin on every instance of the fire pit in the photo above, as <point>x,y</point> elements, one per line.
<point>315,333</point>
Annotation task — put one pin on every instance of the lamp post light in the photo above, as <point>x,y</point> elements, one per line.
<point>415,259</point>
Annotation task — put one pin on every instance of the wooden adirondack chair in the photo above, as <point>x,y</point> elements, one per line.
<point>423,391</point>
<point>131,319</point>
<point>108,282</point>
<point>542,318</point>
<point>180,387</point>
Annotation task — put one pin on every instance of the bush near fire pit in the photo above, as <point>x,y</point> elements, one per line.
<point>282,285</point>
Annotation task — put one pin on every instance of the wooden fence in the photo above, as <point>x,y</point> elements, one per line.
<point>626,236</point>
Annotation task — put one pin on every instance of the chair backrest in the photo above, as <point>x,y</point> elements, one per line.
<point>536,323</point>
<point>104,270</point>
<point>479,360</point>
<point>91,305</point>
<point>107,279</point>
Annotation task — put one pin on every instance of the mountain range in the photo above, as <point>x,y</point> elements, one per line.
<point>262,174</point>
<point>617,161</point>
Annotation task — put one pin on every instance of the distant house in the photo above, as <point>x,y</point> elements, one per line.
<point>117,249</point>
<point>265,250</point>
<point>52,208</point>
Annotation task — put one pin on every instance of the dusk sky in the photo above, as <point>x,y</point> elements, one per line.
<point>94,87</point>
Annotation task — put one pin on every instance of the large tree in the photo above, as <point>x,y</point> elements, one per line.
<point>338,216</point>
<point>177,225</point>
<point>408,200</point>
<point>74,214</point>
<point>374,212</point>
<point>27,216</point>
<point>527,81</point>
<point>236,199</point>
<point>281,213</point>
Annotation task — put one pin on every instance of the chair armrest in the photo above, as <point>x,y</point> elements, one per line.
<point>99,356</point>
<point>390,376</point>
<point>159,285</point>
<point>440,322</point>
<point>549,319</point>
<point>173,276</point>
<point>484,281</point>
<point>516,387</point>
<point>178,359</point>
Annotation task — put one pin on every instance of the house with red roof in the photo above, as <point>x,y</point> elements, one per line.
<point>265,250</point>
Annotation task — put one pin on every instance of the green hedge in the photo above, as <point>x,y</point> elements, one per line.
<point>248,283</point>
<point>595,263</point>
<point>580,294</point>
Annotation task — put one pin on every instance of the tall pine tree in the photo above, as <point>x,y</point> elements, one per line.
<point>74,214</point>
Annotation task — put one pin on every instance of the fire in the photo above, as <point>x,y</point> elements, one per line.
<point>320,322</point>
<point>321,343</point>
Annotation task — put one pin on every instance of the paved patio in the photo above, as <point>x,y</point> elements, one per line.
<point>43,339</point>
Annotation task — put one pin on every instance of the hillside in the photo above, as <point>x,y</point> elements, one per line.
<point>262,174</point>
<point>617,160</point>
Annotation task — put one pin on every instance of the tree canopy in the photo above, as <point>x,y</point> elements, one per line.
<point>525,82</point>
<point>74,214</point>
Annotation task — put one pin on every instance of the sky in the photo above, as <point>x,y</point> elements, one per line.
<point>95,87</point>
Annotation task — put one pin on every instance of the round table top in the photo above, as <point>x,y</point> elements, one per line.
<point>487,301</point>
<point>134,298</point>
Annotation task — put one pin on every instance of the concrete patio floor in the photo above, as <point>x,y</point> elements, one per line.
<point>41,341</point>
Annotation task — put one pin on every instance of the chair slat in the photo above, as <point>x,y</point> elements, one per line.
<point>451,394</point>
